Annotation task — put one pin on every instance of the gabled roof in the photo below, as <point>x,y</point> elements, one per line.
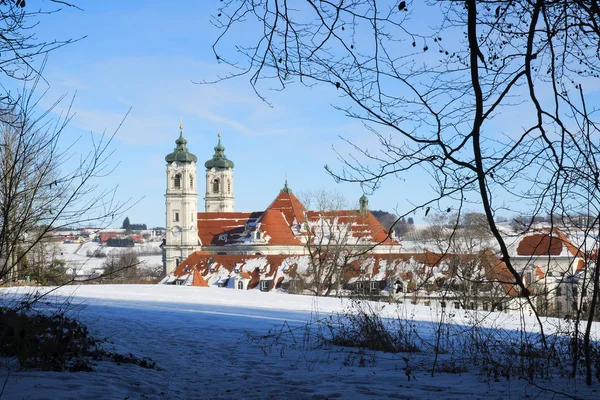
<point>547,243</point>
<point>273,223</point>
<point>289,205</point>
<point>198,280</point>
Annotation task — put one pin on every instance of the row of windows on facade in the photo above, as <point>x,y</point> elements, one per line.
<point>176,216</point>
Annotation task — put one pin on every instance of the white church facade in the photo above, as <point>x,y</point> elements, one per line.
<point>280,229</point>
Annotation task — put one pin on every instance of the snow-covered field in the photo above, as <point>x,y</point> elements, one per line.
<point>212,343</point>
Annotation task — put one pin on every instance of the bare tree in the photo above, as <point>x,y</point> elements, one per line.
<point>20,47</point>
<point>329,239</point>
<point>44,187</point>
<point>434,93</point>
<point>121,268</point>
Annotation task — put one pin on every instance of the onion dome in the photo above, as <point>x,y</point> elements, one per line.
<point>181,153</point>
<point>286,188</point>
<point>219,160</point>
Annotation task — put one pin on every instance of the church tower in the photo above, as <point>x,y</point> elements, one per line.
<point>182,203</point>
<point>219,182</point>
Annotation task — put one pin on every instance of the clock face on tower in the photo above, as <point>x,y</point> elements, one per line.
<point>176,231</point>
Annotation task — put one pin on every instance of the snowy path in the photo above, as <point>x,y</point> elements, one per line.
<point>199,339</point>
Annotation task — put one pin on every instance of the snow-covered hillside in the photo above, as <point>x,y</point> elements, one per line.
<point>80,259</point>
<point>212,343</point>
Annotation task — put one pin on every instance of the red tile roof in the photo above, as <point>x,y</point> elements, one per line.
<point>549,243</point>
<point>278,221</point>
<point>497,271</point>
<point>198,279</point>
<point>540,274</point>
<point>211,225</point>
<point>362,225</point>
<point>540,244</point>
<point>289,205</point>
<point>273,223</point>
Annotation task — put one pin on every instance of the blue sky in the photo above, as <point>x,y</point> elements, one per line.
<point>146,55</point>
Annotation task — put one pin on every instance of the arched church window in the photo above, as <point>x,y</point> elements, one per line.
<point>178,181</point>
<point>228,186</point>
<point>216,186</point>
<point>191,181</point>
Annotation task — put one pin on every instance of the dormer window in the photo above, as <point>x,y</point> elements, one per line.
<point>178,181</point>
<point>216,186</point>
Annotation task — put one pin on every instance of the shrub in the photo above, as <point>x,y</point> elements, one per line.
<point>53,342</point>
<point>362,327</point>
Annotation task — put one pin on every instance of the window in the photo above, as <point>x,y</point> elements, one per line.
<point>559,291</point>
<point>360,285</point>
<point>374,286</point>
<point>528,278</point>
<point>240,285</point>
<point>456,305</point>
<point>177,261</point>
<point>176,216</point>
<point>398,287</point>
<point>574,290</point>
<point>485,307</point>
<point>427,303</point>
<point>216,186</point>
<point>443,304</point>
<point>264,286</point>
<point>223,237</point>
<point>178,181</point>
<point>229,186</point>
<point>192,181</point>
<point>192,217</point>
